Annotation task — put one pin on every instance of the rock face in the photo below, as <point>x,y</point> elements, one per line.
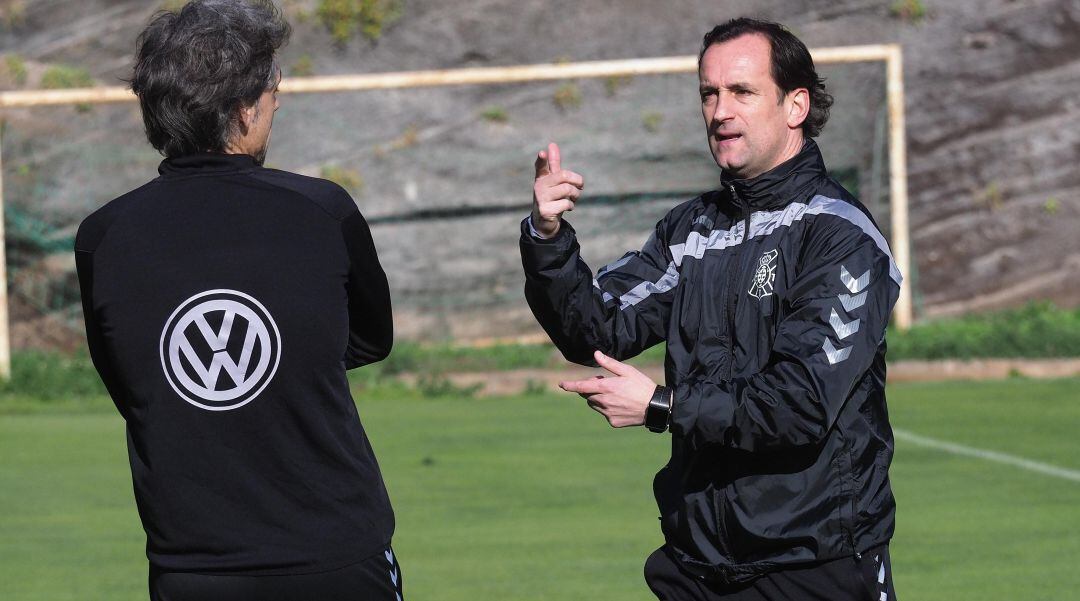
<point>444,174</point>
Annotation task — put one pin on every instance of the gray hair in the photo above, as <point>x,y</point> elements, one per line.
<point>196,67</point>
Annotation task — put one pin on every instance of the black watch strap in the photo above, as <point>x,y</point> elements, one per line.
<point>658,413</point>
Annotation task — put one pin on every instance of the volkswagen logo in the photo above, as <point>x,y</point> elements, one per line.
<point>220,349</point>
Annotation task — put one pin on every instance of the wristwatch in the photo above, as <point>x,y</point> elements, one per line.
<point>658,413</point>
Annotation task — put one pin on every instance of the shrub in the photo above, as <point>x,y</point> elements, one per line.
<point>567,96</point>
<point>614,83</point>
<point>651,122</point>
<point>58,77</point>
<point>303,66</point>
<point>494,114</point>
<point>346,178</point>
<point>408,138</point>
<point>343,18</point>
<point>908,10</point>
<point>15,69</point>
<point>1038,330</point>
<point>14,15</point>
<point>52,376</point>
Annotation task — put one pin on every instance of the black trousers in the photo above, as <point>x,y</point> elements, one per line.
<point>846,579</point>
<point>377,578</point>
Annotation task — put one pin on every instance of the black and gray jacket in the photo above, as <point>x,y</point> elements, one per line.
<point>773,295</point>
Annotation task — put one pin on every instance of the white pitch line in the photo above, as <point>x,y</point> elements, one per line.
<point>959,449</point>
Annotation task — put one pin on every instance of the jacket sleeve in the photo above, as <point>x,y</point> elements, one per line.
<point>622,311</point>
<point>833,327</point>
<point>371,326</point>
<point>95,337</point>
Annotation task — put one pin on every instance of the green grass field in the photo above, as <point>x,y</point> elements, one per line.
<point>534,497</point>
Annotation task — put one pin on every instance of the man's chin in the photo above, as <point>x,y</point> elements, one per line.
<point>732,169</point>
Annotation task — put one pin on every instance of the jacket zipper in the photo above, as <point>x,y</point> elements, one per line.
<point>733,274</point>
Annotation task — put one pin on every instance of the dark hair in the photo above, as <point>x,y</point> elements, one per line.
<point>194,68</point>
<point>791,65</point>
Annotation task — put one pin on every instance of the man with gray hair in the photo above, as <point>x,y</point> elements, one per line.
<point>223,303</point>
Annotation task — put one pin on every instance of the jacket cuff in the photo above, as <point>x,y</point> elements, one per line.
<point>529,233</point>
<point>544,254</point>
<point>703,421</point>
<point>684,409</point>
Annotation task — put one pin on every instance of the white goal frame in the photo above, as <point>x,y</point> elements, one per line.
<point>890,54</point>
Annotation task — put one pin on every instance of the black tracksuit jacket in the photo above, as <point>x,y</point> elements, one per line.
<point>781,441</point>
<point>223,304</point>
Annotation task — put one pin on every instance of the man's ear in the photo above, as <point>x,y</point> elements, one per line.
<point>798,103</point>
<point>246,116</point>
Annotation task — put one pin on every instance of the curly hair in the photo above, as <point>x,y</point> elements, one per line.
<point>791,65</point>
<point>196,67</point>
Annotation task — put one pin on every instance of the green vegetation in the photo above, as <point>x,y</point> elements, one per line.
<point>173,6</point>
<point>59,77</point>
<point>303,66</point>
<point>297,12</point>
<point>408,138</point>
<point>13,15</point>
<point>651,121</point>
<point>991,197</point>
<point>494,114</point>
<point>614,83</point>
<point>58,382</point>
<point>346,178</point>
<point>343,18</point>
<point>1051,206</point>
<point>14,69</point>
<point>1039,330</point>
<point>567,96</point>
<point>908,10</point>
<point>52,376</point>
<point>535,497</point>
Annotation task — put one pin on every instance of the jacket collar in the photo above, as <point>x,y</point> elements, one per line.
<point>205,163</point>
<point>788,182</point>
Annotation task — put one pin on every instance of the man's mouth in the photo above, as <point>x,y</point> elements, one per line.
<point>722,137</point>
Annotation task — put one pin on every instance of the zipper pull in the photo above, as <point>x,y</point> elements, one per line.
<point>745,211</point>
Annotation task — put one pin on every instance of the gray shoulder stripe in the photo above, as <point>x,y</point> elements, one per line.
<point>643,290</point>
<point>615,265</point>
<point>762,223</point>
<point>821,205</point>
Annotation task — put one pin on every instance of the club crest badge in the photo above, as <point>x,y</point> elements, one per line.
<point>762,283</point>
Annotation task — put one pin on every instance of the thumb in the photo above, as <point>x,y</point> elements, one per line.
<point>541,165</point>
<point>616,367</point>
<point>554,158</point>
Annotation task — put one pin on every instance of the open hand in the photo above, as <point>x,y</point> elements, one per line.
<point>621,397</point>
<point>555,191</point>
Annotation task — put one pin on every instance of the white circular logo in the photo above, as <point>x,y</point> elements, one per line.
<point>220,349</point>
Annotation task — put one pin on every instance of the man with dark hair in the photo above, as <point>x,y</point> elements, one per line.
<point>223,304</point>
<point>772,294</point>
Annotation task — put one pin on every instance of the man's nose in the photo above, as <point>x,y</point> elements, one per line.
<point>721,110</point>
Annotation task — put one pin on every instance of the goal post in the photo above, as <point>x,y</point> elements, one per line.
<point>889,54</point>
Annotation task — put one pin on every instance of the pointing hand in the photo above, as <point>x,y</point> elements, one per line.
<point>622,397</point>
<point>554,192</point>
